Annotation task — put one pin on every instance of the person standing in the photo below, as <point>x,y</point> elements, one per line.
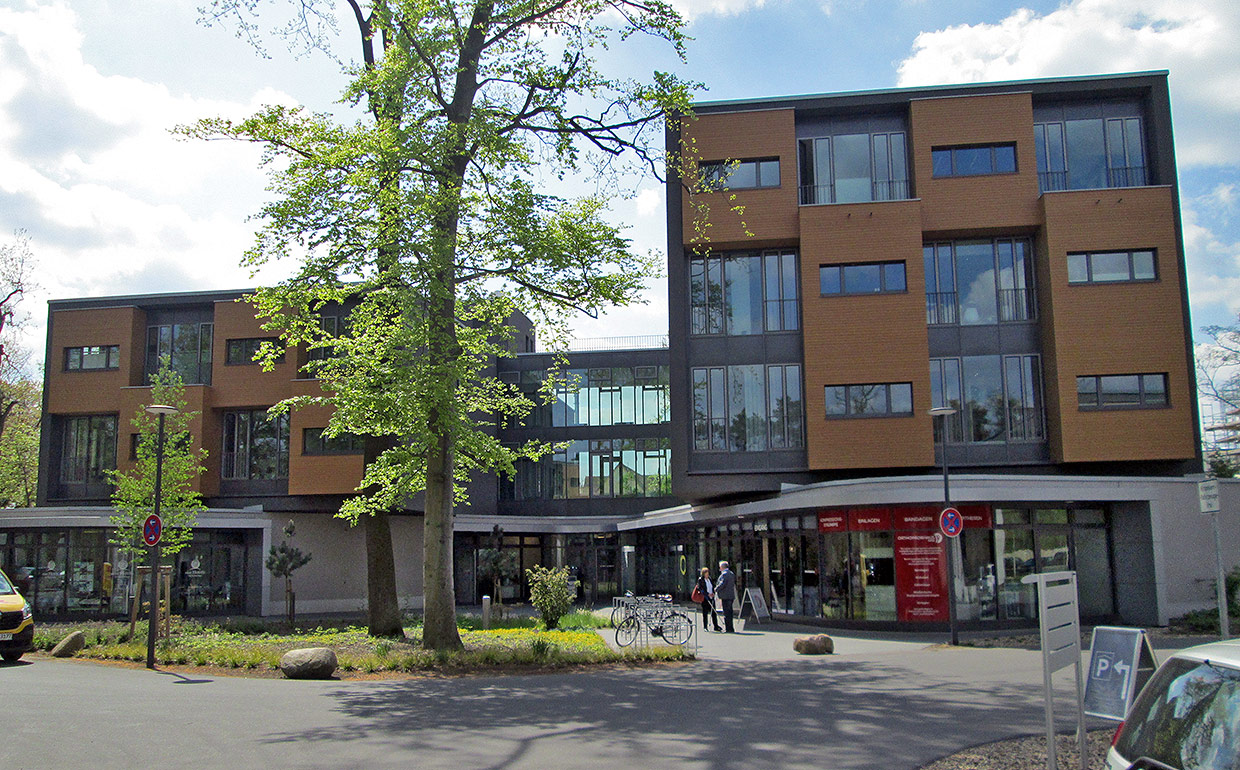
<point>726,591</point>
<point>706,591</point>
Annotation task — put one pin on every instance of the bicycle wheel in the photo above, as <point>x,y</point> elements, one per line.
<point>618,614</point>
<point>626,632</point>
<point>677,628</point>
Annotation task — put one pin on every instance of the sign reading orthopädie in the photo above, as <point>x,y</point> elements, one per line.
<point>1120,660</point>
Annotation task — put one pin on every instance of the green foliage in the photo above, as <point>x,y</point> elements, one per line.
<point>19,444</point>
<point>285,559</point>
<point>1222,466</point>
<point>498,565</point>
<point>551,592</point>
<point>133,497</point>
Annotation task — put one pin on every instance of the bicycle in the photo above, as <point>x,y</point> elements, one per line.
<point>660,619</point>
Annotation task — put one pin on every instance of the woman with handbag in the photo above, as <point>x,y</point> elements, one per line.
<point>704,594</point>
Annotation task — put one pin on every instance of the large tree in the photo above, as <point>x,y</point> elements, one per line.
<point>19,445</point>
<point>16,265</point>
<point>424,218</point>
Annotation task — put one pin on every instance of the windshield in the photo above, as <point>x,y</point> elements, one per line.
<point>5,586</point>
<point>1188,716</point>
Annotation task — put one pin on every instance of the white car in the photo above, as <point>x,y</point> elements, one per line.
<point>1187,717</point>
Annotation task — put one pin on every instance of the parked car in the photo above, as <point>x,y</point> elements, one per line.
<point>1187,717</point>
<point>16,622</point>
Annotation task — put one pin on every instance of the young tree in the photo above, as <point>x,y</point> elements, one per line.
<point>16,265</point>
<point>134,493</point>
<point>282,561</point>
<point>19,445</point>
<point>425,218</point>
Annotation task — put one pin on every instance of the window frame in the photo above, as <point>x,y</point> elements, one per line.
<point>952,151</point>
<point>842,269</point>
<point>711,176</point>
<point>251,346</point>
<point>1130,254</point>
<point>1142,401</point>
<point>353,443</point>
<point>887,411</point>
<point>229,456</point>
<point>709,302</point>
<point>111,355</point>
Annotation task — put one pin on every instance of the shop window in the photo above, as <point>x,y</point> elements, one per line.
<point>92,358</point>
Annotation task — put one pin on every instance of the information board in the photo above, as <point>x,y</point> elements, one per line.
<point>757,602</point>
<point>1120,662</point>
<point>921,577</point>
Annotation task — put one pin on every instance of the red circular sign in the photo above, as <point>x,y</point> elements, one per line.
<point>152,530</point>
<point>951,522</point>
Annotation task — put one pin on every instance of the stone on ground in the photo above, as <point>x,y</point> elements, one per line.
<point>814,645</point>
<point>309,663</point>
<point>69,646</point>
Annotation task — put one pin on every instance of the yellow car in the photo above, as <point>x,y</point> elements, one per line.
<point>16,622</point>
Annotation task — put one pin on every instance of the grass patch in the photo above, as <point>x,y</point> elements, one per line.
<point>253,645</point>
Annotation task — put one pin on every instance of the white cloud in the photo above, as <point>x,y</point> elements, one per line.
<point>692,9</point>
<point>1196,40</point>
<point>1213,261</point>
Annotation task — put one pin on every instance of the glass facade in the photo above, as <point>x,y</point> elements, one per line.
<point>744,293</point>
<point>601,396</point>
<point>747,408</point>
<point>854,168</point>
<point>89,449</point>
<point>594,468</point>
<point>185,347</point>
<point>997,398</point>
<point>255,445</point>
<point>979,282</point>
<point>1090,153</point>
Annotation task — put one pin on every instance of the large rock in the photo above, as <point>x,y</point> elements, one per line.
<point>814,645</point>
<point>69,646</point>
<point>309,663</point>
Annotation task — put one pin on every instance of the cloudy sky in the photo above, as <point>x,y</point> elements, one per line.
<point>113,204</point>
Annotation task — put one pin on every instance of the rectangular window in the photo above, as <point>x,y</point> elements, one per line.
<point>242,351</point>
<point>872,400</point>
<point>744,293</point>
<point>854,168</point>
<point>89,449</point>
<point>1090,154</point>
<point>92,358</point>
<point>973,161</point>
<point>979,282</point>
<point>739,175</point>
<point>185,347</point>
<point>313,442</point>
<point>862,278</point>
<point>747,408</point>
<point>1112,266</point>
<point>1122,391</point>
<point>255,445</point>
<point>594,468</point>
<point>602,397</point>
<point>996,398</point>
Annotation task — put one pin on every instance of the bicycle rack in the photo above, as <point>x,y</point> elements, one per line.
<point>650,611</point>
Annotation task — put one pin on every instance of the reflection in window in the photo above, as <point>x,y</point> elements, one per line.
<point>973,161</point>
<point>997,398</point>
<point>743,293</point>
<point>1188,715</point>
<point>1112,266</point>
<point>92,357</point>
<point>255,445</point>
<point>854,168</point>
<point>593,468</point>
<point>738,175</point>
<point>873,400</point>
<point>747,408</point>
<point>862,278</point>
<point>1121,391</point>
<point>184,347</point>
<point>243,351</point>
<point>1090,154</point>
<point>601,396</point>
<point>89,449</point>
<point>979,282</point>
<point>313,442</point>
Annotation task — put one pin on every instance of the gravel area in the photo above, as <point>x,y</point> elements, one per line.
<point>1028,754</point>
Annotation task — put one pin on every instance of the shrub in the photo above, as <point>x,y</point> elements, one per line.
<point>551,593</point>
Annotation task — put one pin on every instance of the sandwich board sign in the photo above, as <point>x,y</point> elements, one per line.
<point>1120,662</point>
<point>757,602</point>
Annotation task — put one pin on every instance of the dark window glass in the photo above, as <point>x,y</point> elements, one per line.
<point>1154,389</point>
<point>974,161</point>
<point>242,351</point>
<point>997,398</point>
<point>747,408</point>
<point>315,443</point>
<point>869,400</point>
<point>1112,266</point>
<point>255,445</point>
<point>837,399</point>
<point>1005,159</point>
<point>744,293</point>
<point>970,161</point>
<point>893,277</point>
<point>89,449</point>
<point>829,280</point>
<point>901,400</point>
<point>183,347</point>
<point>739,175</point>
<point>862,279</point>
<point>1143,266</point>
<point>865,278</point>
<point>93,357</point>
<point>1120,391</point>
<point>941,160</point>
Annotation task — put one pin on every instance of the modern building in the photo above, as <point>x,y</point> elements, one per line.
<point>1008,254</point>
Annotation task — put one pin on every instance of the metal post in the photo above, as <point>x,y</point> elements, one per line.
<point>953,545</point>
<point>153,627</point>
<point>1224,622</point>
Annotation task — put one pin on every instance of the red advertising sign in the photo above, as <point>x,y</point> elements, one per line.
<point>921,576</point>
<point>868,519</point>
<point>832,521</point>
<point>975,516</point>
<point>915,517</point>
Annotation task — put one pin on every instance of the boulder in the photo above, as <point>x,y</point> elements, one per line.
<point>69,646</point>
<point>309,663</point>
<point>814,645</point>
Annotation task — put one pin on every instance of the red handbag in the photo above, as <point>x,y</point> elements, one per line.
<point>697,595</point>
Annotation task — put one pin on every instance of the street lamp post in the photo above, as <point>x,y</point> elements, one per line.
<point>152,629</point>
<point>953,545</point>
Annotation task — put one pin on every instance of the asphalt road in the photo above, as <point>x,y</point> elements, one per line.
<point>875,705</point>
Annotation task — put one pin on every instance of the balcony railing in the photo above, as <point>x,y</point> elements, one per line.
<point>888,190</point>
<point>1017,305</point>
<point>941,307</point>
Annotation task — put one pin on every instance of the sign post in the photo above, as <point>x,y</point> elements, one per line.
<point>1059,623</point>
<point>1207,493</point>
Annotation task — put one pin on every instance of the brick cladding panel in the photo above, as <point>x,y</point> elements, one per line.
<point>1004,202</point>
<point>866,339</point>
<point>770,215</point>
<point>1123,328</point>
<point>94,392</point>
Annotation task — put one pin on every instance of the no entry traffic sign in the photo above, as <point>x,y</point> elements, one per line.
<point>951,522</point>
<point>152,530</point>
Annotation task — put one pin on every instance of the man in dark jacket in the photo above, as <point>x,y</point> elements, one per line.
<point>726,591</point>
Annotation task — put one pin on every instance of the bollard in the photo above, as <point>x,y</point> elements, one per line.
<point>486,611</point>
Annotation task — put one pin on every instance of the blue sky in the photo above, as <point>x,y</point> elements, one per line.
<point>114,205</point>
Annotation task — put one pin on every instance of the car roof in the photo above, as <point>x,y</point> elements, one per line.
<point>1225,652</point>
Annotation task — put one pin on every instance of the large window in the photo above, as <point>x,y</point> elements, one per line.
<point>1121,391</point>
<point>979,282</point>
<point>744,293</point>
<point>854,168</point>
<point>974,160</point>
<point>1112,266</point>
<point>997,398</point>
<point>255,445</point>
<point>242,351</point>
<point>594,468</point>
<point>185,347</point>
<point>92,357</point>
<point>862,278</point>
<point>738,175</point>
<point>313,442</point>
<point>874,400</point>
<point>601,396</point>
<point>1090,153</point>
<point>89,449</point>
<point>747,408</point>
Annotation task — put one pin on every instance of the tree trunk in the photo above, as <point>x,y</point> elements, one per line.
<point>439,631</point>
<point>383,611</point>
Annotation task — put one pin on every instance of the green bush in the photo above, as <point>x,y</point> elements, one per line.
<point>551,593</point>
